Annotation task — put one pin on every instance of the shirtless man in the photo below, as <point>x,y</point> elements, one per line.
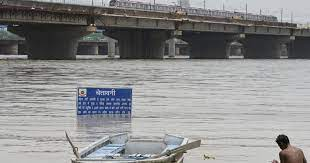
<point>289,153</point>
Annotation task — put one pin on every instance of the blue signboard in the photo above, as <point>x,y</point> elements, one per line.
<point>103,101</point>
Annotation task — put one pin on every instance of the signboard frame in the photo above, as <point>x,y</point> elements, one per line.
<point>106,101</point>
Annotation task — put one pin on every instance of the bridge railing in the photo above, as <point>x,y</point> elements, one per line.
<point>76,2</point>
<point>105,3</point>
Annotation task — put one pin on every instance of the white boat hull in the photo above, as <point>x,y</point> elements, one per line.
<point>120,149</point>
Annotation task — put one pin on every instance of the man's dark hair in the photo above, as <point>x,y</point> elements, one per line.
<point>283,139</point>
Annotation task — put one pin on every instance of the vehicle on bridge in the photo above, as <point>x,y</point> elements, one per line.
<point>191,11</point>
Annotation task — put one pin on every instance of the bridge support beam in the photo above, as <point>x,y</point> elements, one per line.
<point>52,42</point>
<point>207,45</point>
<point>299,48</point>
<point>140,44</point>
<point>262,47</point>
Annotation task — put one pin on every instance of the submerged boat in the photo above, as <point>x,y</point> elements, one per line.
<point>120,148</point>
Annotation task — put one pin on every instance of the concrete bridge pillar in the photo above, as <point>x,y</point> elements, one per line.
<point>172,48</point>
<point>177,50</point>
<point>93,49</point>
<point>140,44</point>
<point>262,47</point>
<point>235,49</point>
<point>299,49</point>
<point>207,45</point>
<point>22,48</point>
<point>52,42</point>
<point>111,48</point>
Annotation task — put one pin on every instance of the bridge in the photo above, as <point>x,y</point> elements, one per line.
<point>9,43</point>
<point>52,30</point>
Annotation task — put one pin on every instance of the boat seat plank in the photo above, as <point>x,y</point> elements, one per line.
<point>108,150</point>
<point>170,147</point>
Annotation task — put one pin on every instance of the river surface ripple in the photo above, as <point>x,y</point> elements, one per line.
<point>237,107</point>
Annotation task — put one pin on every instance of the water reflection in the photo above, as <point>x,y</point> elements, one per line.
<point>103,124</point>
<point>89,121</point>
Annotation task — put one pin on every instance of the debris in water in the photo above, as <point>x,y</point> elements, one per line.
<point>208,157</point>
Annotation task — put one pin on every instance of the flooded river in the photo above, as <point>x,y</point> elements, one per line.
<point>237,107</point>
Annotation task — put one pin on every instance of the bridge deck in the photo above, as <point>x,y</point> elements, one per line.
<point>99,10</point>
<point>20,12</point>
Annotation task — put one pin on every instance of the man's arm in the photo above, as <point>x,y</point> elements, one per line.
<point>275,161</point>
<point>304,158</point>
<point>282,157</point>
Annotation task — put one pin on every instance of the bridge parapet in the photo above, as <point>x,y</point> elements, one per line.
<point>21,12</point>
<point>268,30</point>
<point>301,32</point>
<point>95,11</point>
